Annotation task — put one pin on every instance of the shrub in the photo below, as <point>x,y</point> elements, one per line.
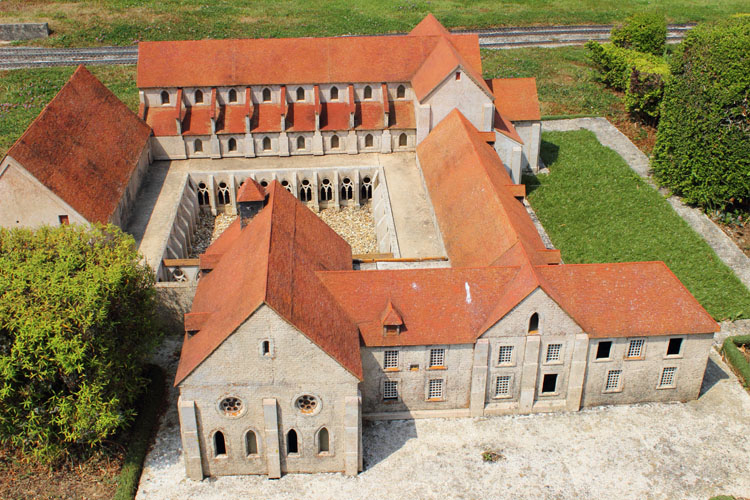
<point>76,319</point>
<point>641,76</point>
<point>702,149</point>
<point>644,32</point>
<point>736,358</point>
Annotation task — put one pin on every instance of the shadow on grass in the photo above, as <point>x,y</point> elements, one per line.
<point>549,152</point>
<point>531,182</point>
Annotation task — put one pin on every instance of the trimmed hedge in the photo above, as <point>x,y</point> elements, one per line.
<point>736,358</point>
<point>702,149</point>
<point>641,76</point>
<point>144,428</point>
<point>644,32</point>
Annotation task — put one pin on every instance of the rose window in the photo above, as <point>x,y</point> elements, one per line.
<point>231,406</point>
<point>307,403</point>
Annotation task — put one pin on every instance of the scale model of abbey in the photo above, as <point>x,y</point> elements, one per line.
<point>288,344</point>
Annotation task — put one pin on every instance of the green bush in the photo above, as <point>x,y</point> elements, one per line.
<point>644,32</point>
<point>641,76</point>
<point>76,320</point>
<point>736,358</point>
<point>702,149</point>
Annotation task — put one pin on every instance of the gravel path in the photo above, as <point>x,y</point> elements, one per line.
<point>657,451</point>
<point>355,225</point>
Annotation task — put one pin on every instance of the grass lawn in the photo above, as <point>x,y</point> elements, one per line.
<point>596,209</point>
<point>121,22</point>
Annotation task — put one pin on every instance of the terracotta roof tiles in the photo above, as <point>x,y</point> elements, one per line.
<point>250,190</point>
<point>516,98</point>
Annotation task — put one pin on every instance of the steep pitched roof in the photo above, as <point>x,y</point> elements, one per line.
<point>273,261</point>
<point>429,26</point>
<point>516,98</point>
<point>250,191</point>
<point>84,146</point>
<point>463,172</point>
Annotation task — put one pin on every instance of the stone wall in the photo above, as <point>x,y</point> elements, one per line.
<point>531,133</point>
<point>466,96</point>
<point>23,31</point>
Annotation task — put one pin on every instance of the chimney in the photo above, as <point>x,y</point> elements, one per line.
<point>250,200</point>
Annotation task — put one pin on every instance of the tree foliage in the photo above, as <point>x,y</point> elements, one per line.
<point>76,320</point>
<point>702,149</point>
<point>643,32</point>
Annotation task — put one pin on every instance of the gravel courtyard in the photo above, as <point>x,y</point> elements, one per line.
<point>648,451</point>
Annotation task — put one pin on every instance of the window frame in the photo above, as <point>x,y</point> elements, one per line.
<point>507,395</point>
<point>258,453</point>
<point>394,367</point>
<point>556,392</point>
<point>673,384</point>
<point>383,391</point>
<point>560,353</point>
<point>618,387</point>
<point>679,352</point>
<point>297,453</point>
<point>512,361</point>
<point>316,438</point>
<point>212,437</point>
<point>642,353</point>
<point>440,382</point>
<point>596,353</point>
<point>431,366</point>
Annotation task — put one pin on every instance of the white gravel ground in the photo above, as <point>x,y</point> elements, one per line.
<point>650,451</point>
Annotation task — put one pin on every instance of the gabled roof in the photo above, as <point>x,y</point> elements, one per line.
<point>462,172</point>
<point>390,316</point>
<point>516,98</point>
<point>250,190</point>
<point>429,26</point>
<point>84,146</point>
<point>273,261</point>
<point>505,127</point>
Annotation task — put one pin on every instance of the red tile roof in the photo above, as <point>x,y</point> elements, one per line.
<point>369,116</point>
<point>401,115</point>
<point>267,118</point>
<point>162,120</point>
<point>84,146</point>
<point>250,190</point>
<point>334,116</point>
<point>301,117</point>
<point>391,316</point>
<point>231,119</point>
<point>505,127</point>
<point>516,98</point>
<point>462,172</point>
<point>197,120</point>
<point>429,26</point>
<point>273,261</point>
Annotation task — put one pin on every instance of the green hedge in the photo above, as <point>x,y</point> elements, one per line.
<point>645,32</point>
<point>736,358</point>
<point>641,76</point>
<point>702,150</point>
<point>142,432</point>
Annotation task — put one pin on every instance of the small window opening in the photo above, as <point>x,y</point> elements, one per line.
<point>400,92</point>
<point>164,97</point>
<point>220,447</point>
<point>368,141</point>
<point>203,197</point>
<point>458,75</point>
<point>323,441</point>
<point>502,386</point>
<point>335,142</point>
<point>667,377</point>
<point>390,390</point>
<point>635,349</point>
<point>301,142</point>
<point>334,93</point>
<point>534,323</point>
<point>291,442</point>
<point>674,347</point>
<point>285,184</point>
<point>603,349</point>
<point>223,194</point>
<point>505,355</point>
<point>549,383</point>
<point>266,144</point>
<point>368,92</point>
<point>251,443</point>
<point>613,380</point>
<point>198,146</point>
<point>64,220</point>
<point>305,191</point>
<point>326,190</point>
<point>266,95</point>
<point>402,140</point>
<point>347,189</point>
<point>232,95</point>
<point>437,358</point>
<point>232,144</point>
<point>300,94</point>
<point>366,189</point>
<point>390,359</point>
<point>553,352</point>
<point>264,183</point>
<point>266,348</point>
<point>198,96</point>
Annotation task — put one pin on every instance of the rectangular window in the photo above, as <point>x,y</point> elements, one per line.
<point>64,220</point>
<point>604,349</point>
<point>390,359</point>
<point>667,377</point>
<point>390,390</point>
<point>435,390</point>
<point>549,383</point>
<point>674,347</point>
<point>635,349</point>
<point>613,380</point>
<point>437,358</point>
<point>553,352</point>
<point>506,355</point>
<point>502,386</point>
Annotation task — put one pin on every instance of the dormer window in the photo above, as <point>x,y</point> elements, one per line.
<point>232,95</point>
<point>198,97</point>
<point>334,94</point>
<point>368,92</point>
<point>266,95</point>
<point>300,94</point>
<point>391,330</point>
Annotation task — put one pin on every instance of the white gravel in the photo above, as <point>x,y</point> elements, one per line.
<point>657,451</point>
<point>355,224</point>
<point>209,228</point>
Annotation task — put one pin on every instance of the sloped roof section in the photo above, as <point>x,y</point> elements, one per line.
<point>463,172</point>
<point>84,146</point>
<point>516,98</point>
<point>273,260</point>
<point>429,26</point>
<point>250,190</point>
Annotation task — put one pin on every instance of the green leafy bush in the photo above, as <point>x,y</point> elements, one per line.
<point>641,76</point>
<point>644,32</point>
<point>76,320</point>
<point>702,149</point>
<point>735,357</point>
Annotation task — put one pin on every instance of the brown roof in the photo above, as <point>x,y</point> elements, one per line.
<point>462,172</point>
<point>84,146</point>
<point>273,261</point>
<point>250,190</point>
<point>516,98</point>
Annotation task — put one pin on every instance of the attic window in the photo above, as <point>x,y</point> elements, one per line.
<point>300,94</point>
<point>232,144</point>
<point>534,323</point>
<point>391,330</point>
<point>266,95</point>
<point>64,220</point>
<point>164,97</point>
<point>265,348</point>
<point>232,95</point>
<point>458,75</point>
<point>198,96</point>
<point>400,92</point>
<point>334,93</point>
<point>368,92</point>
